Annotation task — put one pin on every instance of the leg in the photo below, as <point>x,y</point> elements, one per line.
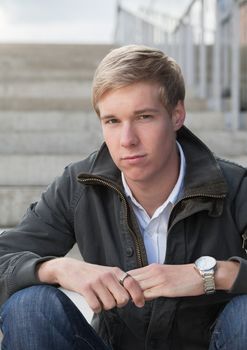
<point>44,318</point>
<point>231,327</point>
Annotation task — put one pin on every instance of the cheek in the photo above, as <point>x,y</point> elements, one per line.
<point>107,137</point>
<point>163,145</point>
<point>160,137</point>
<point>112,144</point>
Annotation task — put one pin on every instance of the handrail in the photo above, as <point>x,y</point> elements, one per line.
<point>202,46</point>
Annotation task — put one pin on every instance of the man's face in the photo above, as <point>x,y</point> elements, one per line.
<point>139,132</point>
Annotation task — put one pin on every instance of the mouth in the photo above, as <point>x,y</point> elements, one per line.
<point>137,156</point>
<point>133,159</point>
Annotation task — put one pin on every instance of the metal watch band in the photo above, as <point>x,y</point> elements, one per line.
<point>208,282</point>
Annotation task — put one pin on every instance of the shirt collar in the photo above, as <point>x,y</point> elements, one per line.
<point>175,194</point>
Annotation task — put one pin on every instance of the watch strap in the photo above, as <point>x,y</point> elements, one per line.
<point>208,282</point>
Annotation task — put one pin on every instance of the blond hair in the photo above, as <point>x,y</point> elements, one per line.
<point>137,63</point>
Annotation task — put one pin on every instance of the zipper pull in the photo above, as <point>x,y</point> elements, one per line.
<point>244,245</point>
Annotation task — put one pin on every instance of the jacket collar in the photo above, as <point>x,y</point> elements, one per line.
<point>203,175</point>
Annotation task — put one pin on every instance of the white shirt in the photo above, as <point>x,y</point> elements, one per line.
<point>154,229</point>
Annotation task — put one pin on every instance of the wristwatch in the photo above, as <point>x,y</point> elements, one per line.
<point>206,266</point>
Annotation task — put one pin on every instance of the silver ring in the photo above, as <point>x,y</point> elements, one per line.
<point>122,279</point>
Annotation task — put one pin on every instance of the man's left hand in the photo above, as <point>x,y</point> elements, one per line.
<point>157,280</point>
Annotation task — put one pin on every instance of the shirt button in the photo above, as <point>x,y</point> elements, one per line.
<point>129,251</point>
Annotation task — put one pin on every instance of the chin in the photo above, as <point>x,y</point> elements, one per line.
<point>136,178</point>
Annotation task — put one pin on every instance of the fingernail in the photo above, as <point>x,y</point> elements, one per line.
<point>140,305</point>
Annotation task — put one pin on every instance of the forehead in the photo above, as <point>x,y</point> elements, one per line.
<point>137,92</point>
<point>131,100</point>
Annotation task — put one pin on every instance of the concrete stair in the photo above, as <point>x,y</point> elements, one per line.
<point>49,132</point>
<point>46,118</point>
<point>209,127</point>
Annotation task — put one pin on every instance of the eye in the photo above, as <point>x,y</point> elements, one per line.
<point>145,116</point>
<point>111,121</point>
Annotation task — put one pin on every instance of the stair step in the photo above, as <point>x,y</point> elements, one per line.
<point>15,201</point>
<point>204,120</point>
<point>35,57</point>
<point>55,142</point>
<point>36,170</point>
<point>26,74</point>
<point>226,144</point>
<point>45,104</point>
<point>195,104</point>
<point>43,121</point>
<point>46,88</point>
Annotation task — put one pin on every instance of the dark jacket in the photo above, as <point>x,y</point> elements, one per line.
<point>87,205</point>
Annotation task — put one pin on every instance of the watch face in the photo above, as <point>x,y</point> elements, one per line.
<point>205,263</point>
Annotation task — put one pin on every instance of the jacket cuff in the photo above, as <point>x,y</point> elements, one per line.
<point>25,274</point>
<point>239,286</point>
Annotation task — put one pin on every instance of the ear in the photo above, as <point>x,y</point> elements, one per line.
<point>178,115</point>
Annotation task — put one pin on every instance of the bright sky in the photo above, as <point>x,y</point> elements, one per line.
<point>87,21</point>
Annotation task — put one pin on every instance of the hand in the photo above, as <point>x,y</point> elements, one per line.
<point>157,280</point>
<point>226,274</point>
<point>98,284</point>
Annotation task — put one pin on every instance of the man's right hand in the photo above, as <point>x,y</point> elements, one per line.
<point>98,284</point>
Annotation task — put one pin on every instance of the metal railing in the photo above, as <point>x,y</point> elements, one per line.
<point>209,42</point>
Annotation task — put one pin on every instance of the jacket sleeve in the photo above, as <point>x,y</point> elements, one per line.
<point>240,211</point>
<point>46,231</point>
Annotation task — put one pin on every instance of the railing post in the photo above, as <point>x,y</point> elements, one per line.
<point>217,51</point>
<point>235,88</point>
<point>175,48</point>
<point>202,54</point>
<point>189,55</point>
<point>180,44</point>
<point>226,49</point>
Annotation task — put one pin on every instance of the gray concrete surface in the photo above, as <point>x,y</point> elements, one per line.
<point>40,121</point>
<point>46,118</point>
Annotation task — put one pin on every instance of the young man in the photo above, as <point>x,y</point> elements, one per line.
<point>158,220</point>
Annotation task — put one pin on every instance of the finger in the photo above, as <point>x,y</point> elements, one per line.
<point>141,270</point>
<point>123,278</point>
<point>106,298</point>
<point>120,293</point>
<point>150,282</point>
<point>135,291</point>
<point>142,273</point>
<point>111,293</point>
<point>148,276</point>
<point>92,301</point>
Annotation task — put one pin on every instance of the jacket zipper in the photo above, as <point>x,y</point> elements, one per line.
<point>136,240</point>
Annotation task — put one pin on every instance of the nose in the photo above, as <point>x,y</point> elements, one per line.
<point>128,136</point>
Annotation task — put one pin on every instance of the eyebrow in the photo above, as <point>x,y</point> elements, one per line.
<point>107,117</point>
<point>146,110</point>
<point>137,112</point>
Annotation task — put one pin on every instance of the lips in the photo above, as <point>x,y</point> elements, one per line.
<point>133,157</point>
<point>136,159</point>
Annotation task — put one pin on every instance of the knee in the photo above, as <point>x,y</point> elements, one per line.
<point>233,318</point>
<point>230,330</point>
<point>236,309</point>
<point>30,304</point>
